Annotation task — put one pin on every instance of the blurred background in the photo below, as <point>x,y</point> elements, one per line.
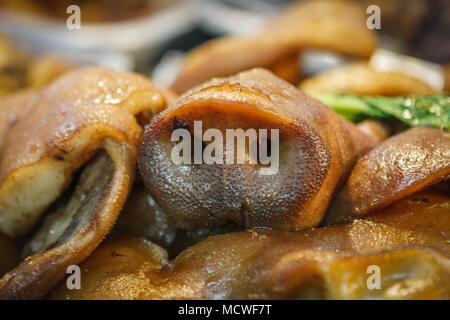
<point>151,36</point>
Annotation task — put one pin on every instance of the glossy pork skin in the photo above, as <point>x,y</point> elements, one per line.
<point>87,118</point>
<point>317,149</point>
<point>51,132</point>
<point>408,242</point>
<point>403,164</point>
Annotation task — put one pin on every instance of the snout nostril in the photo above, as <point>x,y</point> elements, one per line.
<point>179,124</point>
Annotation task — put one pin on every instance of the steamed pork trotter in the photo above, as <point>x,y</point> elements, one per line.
<point>87,112</point>
<point>408,243</point>
<point>339,26</point>
<point>311,153</point>
<point>398,167</point>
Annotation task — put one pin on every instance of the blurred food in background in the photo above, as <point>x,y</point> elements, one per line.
<point>152,35</point>
<point>360,78</point>
<point>93,11</point>
<point>19,69</point>
<point>420,25</point>
<point>123,35</point>
<point>12,68</point>
<point>337,26</point>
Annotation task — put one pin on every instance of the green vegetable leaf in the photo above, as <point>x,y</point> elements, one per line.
<point>412,110</point>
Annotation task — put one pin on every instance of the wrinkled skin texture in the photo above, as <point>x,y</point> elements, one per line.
<point>338,26</point>
<point>396,168</point>
<point>359,78</point>
<point>317,150</point>
<point>86,112</point>
<point>408,241</point>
